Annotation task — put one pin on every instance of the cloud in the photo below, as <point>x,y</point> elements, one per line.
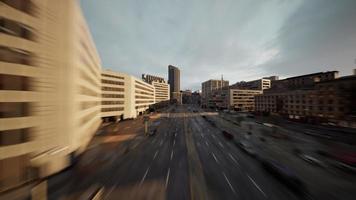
<point>243,40</point>
<point>320,36</point>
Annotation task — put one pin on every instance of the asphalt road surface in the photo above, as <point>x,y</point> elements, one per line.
<point>186,158</point>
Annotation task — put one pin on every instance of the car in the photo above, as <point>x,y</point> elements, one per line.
<point>285,175</point>
<point>311,159</point>
<point>227,135</point>
<point>247,147</point>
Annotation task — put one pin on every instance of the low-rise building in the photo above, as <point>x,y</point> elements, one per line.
<point>124,96</point>
<point>322,97</point>
<point>162,89</point>
<point>143,96</point>
<point>260,84</point>
<point>210,86</point>
<point>243,100</point>
<point>114,95</point>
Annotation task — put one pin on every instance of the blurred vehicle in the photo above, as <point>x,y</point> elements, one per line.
<point>250,116</point>
<point>227,135</point>
<point>312,159</point>
<point>268,125</point>
<point>247,147</point>
<point>345,160</point>
<point>285,175</point>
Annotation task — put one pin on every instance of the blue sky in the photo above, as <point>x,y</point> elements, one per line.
<point>241,39</point>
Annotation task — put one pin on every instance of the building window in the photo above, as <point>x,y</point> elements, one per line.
<point>12,82</point>
<point>21,5</point>
<point>14,55</point>
<point>14,109</point>
<point>17,136</point>
<point>15,29</point>
<point>112,109</point>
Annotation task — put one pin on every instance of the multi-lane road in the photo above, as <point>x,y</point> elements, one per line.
<point>188,157</point>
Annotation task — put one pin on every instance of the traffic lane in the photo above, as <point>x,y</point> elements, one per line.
<point>250,168</point>
<point>229,171</point>
<point>147,163</point>
<point>218,186</point>
<point>178,180</point>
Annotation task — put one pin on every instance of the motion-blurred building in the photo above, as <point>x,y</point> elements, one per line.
<point>161,87</point>
<point>174,83</point>
<point>49,88</point>
<point>124,96</point>
<point>318,97</point>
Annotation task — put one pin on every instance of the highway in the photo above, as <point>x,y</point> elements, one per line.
<point>189,158</point>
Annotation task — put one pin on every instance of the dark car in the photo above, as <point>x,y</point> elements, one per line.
<point>227,135</point>
<point>286,176</point>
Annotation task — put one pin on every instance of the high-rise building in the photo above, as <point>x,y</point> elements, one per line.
<point>174,82</point>
<point>160,85</point>
<point>49,88</point>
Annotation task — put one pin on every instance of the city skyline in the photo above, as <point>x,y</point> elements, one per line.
<point>233,43</point>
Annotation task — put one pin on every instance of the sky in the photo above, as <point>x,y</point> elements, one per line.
<point>239,39</point>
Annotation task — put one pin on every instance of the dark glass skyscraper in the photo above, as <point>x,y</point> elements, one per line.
<point>174,82</point>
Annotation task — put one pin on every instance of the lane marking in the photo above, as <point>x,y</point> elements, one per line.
<point>155,155</point>
<point>172,154</point>
<point>216,160</point>
<point>221,145</point>
<point>258,187</point>
<point>144,176</point>
<point>206,143</point>
<point>232,157</point>
<point>213,136</point>
<point>167,176</point>
<point>227,180</point>
<point>174,142</point>
<point>160,144</point>
<point>202,135</point>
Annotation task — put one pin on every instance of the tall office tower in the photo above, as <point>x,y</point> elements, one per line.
<point>174,82</point>
<point>49,88</point>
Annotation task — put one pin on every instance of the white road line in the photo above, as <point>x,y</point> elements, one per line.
<point>206,143</point>
<point>221,144</point>
<point>232,157</point>
<point>258,187</point>
<point>167,176</point>
<point>155,155</point>
<point>144,176</point>
<point>172,154</point>
<point>215,158</point>
<point>160,144</point>
<point>175,135</point>
<point>213,136</point>
<point>201,134</point>
<point>174,142</point>
<point>227,180</point>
